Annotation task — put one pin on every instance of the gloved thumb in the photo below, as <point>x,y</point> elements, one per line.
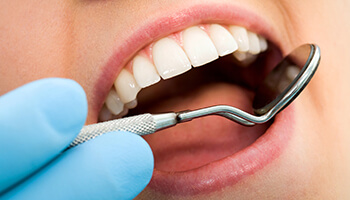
<point>115,165</point>
<point>37,122</point>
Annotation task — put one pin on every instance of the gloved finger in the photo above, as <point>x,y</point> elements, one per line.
<point>37,121</point>
<point>116,165</point>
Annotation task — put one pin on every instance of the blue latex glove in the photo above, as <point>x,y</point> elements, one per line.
<point>37,122</point>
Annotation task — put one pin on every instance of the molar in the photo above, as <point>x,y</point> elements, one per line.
<point>169,58</point>
<point>292,72</point>
<point>241,36</point>
<point>126,86</point>
<point>222,39</point>
<point>198,46</point>
<point>144,72</point>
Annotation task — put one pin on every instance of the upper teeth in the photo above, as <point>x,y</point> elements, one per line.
<point>174,55</point>
<point>198,46</point>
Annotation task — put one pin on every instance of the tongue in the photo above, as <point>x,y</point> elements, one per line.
<point>201,141</point>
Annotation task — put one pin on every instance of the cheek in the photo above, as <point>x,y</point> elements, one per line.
<point>328,96</point>
<point>33,42</point>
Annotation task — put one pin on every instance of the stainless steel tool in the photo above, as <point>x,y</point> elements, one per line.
<point>279,89</point>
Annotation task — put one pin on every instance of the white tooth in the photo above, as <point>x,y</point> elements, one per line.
<point>169,58</point>
<point>144,72</point>
<point>244,58</point>
<point>122,114</point>
<point>292,72</point>
<point>132,104</point>
<point>222,39</point>
<point>198,46</point>
<point>113,102</point>
<point>126,86</point>
<point>282,85</point>
<point>105,114</point>
<point>254,44</point>
<point>241,36</point>
<point>263,43</point>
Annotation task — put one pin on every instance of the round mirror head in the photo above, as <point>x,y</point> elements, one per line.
<point>285,82</point>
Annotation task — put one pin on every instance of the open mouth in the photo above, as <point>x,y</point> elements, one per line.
<point>229,62</point>
<point>200,66</point>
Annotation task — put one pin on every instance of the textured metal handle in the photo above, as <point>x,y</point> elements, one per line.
<point>141,124</point>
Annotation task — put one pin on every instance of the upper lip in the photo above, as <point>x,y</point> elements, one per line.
<point>166,24</point>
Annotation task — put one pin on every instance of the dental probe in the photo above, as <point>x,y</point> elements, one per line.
<point>283,84</point>
<point>145,124</point>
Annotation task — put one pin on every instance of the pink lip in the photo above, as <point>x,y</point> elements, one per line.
<point>170,23</point>
<point>230,170</point>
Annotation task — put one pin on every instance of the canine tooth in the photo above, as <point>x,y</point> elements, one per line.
<point>222,39</point>
<point>132,104</point>
<point>244,58</point>
<point>198,46</point>
<point>241,36</point>
<point>169,58</point>
<point>254,44</point>
<point>144,72</point>
<point>113,102</point>
<point>126,86</point>
<point>105,114</point>
<point>263,44</point>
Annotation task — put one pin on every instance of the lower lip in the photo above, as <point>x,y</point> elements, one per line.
<point>232,169</point>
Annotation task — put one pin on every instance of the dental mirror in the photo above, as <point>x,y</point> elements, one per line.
<point>281,86</point>
<point>293,72</point>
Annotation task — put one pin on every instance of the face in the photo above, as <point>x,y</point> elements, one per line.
<point>303,153</point>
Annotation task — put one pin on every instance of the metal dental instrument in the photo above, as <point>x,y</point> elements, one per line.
<point>284,83</point>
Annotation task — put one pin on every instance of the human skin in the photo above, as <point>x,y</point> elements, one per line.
<point>75,39</point>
